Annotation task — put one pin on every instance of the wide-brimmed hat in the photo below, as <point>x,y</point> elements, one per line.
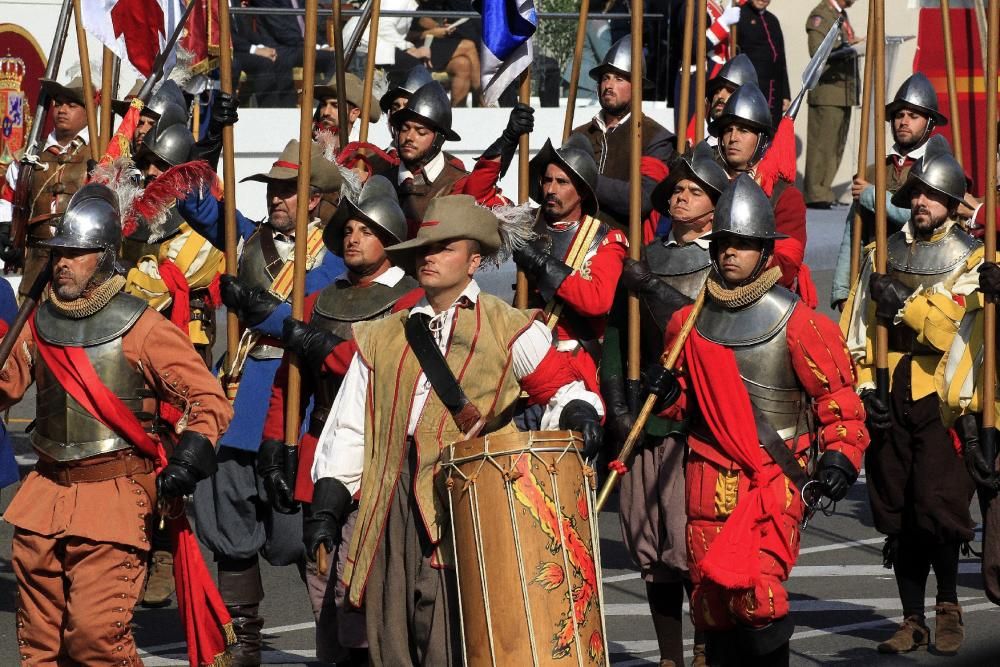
<point>324,175</point>
<point>72,90</point>
<point>449,218</point>
<point>354,93</point>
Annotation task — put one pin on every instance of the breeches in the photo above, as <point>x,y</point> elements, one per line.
<point>75,600</point>
<point>712,494</point>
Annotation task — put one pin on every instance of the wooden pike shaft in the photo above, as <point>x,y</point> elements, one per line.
<point>338,56</point>
<point>878,77</point>
<point>684,105</point>
<point>949,65</point>
<point>293,390</point>
<point>866,111</point>
<point>635,186</point>
<point>524,96</point>
<point>699,82</point>
<point>668,360</point>
<point>990,238</point>
<point>88,84</point>
<point>366,100</point>
<point>228,173</point>
<point>574,77</point>
<point>107,94</point>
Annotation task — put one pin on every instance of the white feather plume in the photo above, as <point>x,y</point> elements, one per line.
<point>380,84</point>
<point>123,179</point>
<point>516,227</point>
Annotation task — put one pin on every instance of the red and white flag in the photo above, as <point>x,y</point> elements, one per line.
<point>135,30</point>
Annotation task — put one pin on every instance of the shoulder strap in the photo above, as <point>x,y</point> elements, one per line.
<point>779,188</point>
<point>776,448</point>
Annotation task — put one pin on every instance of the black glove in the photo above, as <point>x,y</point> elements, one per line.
<point>521,121</point>
<point>275,461</point>
<point>663,384</point>
<point>619,417</point>
<point>660,299</point>
<point>8,253</point>
<point>878,417</point>
<point>192,461</point>
<point>312,344</point>
<point>224,112</point>
<point>330,505</point>
<point>252,305</point>
<point>579,415</point>
<point>888,294</point>
<point>547,272</point>
<point>836,474</point>
<point>978,461</point>
<point>989,280</point>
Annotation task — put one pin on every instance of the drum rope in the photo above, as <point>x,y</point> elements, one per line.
<point>590,477</point>
<point>508,481</point>
<point>562,547</point>
<point>474,497</point>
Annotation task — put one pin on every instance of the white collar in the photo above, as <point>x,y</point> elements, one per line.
<point>431,170</point>
<point>599,119</point>
<point>290,237</point>
<point>909,234</point>
<point>915,154</point>
<point>470,293</point>
<point>390,277</point>
<point>701,241</point>
<point>51,141</point>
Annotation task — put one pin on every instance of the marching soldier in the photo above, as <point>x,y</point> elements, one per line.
<point>166,107</point>
<point>370,289</point>
<point>396,97</point>
<point>103,362</point>
<point>830,101</point>
<point>913,115</point>
<point>719,88</point>
<point>609,137</point>
<point>234,517</point>
<point>918,485</point>
<point>327,118</point>
<point>59,173</point>
<point>669,276</point>
<point>756,364</point>
<point>389,425</point>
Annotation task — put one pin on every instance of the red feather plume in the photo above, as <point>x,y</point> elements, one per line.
<point>179,181</point>
<point>779,159</point>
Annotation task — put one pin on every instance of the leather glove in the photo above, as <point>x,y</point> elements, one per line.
<point>251,304</point>
<point>224,111</point>
<point>619,419</point>
<point>878,417</point>
<point>889,295</point>
<point>275,460</point>
<point>989,280</point>
<point>836,474</point>
<point>547,272</point>
<point>8,253</point>
<point>663,384</point>
<point>661,299</point>
<point>579,415</point>
<point>312,344</point>
<point>978,461</point>
<point>192,461</point>
<point>330,505</point>
<point>521,121</point>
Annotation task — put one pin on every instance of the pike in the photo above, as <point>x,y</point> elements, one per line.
<point>814,69</point>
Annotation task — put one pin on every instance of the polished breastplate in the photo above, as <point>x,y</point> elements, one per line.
<point>259,265</point>
<point>683,267</point>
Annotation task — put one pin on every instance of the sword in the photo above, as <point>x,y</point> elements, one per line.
<point>814,69</point>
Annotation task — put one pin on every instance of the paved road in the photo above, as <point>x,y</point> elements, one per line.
<point>843,601</point>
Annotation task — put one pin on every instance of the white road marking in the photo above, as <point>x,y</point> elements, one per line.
<point>811,606</point>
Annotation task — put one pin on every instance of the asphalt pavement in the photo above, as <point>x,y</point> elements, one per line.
<point>842,599</point>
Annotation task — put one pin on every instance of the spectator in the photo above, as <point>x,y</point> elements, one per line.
<point>761,39</point>
<point>450,52</point>
<point>284,35</point>
<point>271,81</point>
<point>393,52</point>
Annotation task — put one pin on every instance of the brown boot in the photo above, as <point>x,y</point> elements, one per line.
<point>698,660</point>
<point>160,584</point>
<point>912,635</point>
<point>949,630</point>
<point>667,663</point>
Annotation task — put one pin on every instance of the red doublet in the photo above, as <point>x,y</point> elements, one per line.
<point>743,513</point>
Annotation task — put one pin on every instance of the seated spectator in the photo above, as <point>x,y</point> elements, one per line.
<point>271,82</point>
<point>284,35</point>
<point>393,52</point>
<point>450,51</point>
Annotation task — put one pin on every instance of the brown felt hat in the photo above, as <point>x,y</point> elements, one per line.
<point>354,93</point>
<point>449,218</point>
<point>324,175</point>
<point>72,90</point>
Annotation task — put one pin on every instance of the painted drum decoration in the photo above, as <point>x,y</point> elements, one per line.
<point>526,549</point>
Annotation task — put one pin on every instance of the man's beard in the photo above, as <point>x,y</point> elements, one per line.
<point>419,160</point>
<point>617,111</point>
<point>285,226</point>
<point>926,225</point>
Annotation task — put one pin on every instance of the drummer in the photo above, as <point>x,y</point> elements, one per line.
<point>390,423</point>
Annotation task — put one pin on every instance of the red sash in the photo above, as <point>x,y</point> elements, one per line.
<point>206,622</point>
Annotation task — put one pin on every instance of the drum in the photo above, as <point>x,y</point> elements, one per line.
<point>526,549</point>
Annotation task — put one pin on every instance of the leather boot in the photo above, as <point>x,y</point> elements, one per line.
<point>949,630</point>
<point>160,583</point>
<point>698,650</point>
<point>912,634</point>
<point>242,591</point>
<point>767,645</point>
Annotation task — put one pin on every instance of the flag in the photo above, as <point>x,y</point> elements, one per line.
<point>201,38</point>
<point>506,47</point>
<point>135,30</point>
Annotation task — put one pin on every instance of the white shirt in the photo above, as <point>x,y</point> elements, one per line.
<point>701,241</point>
<point>389,277</point>
<point>285,245</point>
<point>899,157</point>
<point>6,207</point>
<point>341,447</point>
<point>392,31</point>
<point>431,170</point>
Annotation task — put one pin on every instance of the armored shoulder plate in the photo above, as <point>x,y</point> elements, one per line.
<point>676,260</point>
<point>558,242</point>
<point>259,260</point>
<point>348,303</point>
<point>931,258</point>
<point>754,324</point>
<point>110,322</point>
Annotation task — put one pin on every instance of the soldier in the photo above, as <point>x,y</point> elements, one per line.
<point>59,173</point>
<point>396,97</point>
<point>389,424</point>
<point>917,484</point>
<point>370,289</point>
<point>830,101</point>
<point>326,116</point>
<point>669,276</point>
<point>609,136</point>
<point>719,88</point>
<point>912,114</point>
<point>576,260</point>
<point>755,363</point>
<point>744,132</point>
<point>104,362</point>
<point>166,107</point>
<point>233,515</point>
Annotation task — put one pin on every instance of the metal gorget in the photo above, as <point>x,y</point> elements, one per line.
<point>558,242</point>
<point>110,322</point>
<point>341,304</point>
<point>926,263</point>
<point>683,267</point>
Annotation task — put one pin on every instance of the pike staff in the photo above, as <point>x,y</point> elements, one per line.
<point>866,110</point>
<point>699,82</point>
<point>307,84</point>
<point>108,76</point>
<point>684,105</point>
<point>635,188</point>
<point>88,86</point>
<point>574,77</point>
<point>524,96</point>
<point>990,237</point>
<point>228,177</point>
<point>949,65</point>
<point>881,247</point>
<point>366,99</point>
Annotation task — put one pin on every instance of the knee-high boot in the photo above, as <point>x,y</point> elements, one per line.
<point>242,592</point>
